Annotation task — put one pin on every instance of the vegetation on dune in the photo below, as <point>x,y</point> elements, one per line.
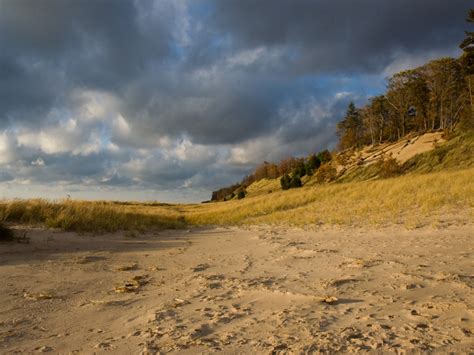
<point>456,153</point>
<point>410,199</point>
<point>290,171</point>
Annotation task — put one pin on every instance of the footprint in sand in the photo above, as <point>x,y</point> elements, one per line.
<point>200,267</point>
<point>129,267</point>
<point>90,259</point>
<point>39,296</point>
<point>201,331</point>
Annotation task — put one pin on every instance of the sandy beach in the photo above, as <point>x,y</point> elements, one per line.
<point>240,290</point>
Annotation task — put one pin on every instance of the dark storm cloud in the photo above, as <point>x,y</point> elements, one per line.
<point>62,167</point>
<point>343,35</point>
<point>227,108</point>
<point>50,47</point>
<point>265,76</point>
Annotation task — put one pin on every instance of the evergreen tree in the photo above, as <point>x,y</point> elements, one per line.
<point>314,162</point>
<point>349,129</point>
<point>467,61</point>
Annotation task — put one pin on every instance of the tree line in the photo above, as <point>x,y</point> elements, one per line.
<point>435,96</point>
<point>289,170</point>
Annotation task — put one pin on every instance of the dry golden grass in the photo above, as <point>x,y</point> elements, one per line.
<point>411,200</point>
<point>89,216</point>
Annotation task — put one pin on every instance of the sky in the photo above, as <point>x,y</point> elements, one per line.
<point>168,100</point>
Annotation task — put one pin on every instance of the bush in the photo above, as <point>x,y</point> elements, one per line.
<point>285,182</point>
<point>326,173</point>
<point>288,182</point>
<point>295,181</point>
<point>241,194</point>
<point>325,156</point>
<point>388,167</point>
<point>314,162</point>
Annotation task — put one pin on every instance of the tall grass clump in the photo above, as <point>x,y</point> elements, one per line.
<point>84,216</point>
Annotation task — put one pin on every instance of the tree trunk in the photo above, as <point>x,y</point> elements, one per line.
<point>441,119</point>
<point>470,96</point>
<point>403,124</point>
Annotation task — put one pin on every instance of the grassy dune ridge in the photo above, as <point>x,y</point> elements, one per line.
<point>409,199</point>
<point>412,200</point>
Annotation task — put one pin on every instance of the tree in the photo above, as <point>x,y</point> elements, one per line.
<point>287,165</point>
<point>324,156</point>
<point>407,95</point>
<point>225,193</point>
<point>467,60</point>
<point>314,162</point>
<point>272,171</point>
<point>261,172</point>
<point>300,168</point>
<point>266,171</point>
<point>446,92</point>
<point>378,115</point>
<point>248,180</point>
<point>350,128</point>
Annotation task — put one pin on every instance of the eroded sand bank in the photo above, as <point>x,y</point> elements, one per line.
<point>257,289</point>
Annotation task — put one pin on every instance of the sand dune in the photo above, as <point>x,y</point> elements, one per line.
<point>252,290</point>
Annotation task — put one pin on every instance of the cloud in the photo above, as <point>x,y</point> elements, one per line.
<point>341,35</point>
<point>185,95</point>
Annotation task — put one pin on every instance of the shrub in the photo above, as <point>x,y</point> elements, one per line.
<point>324,156</point>
<point>388,167</point>
<point>241,194</point>
<point>295,181</point>
<point>314,162</point>
<point>300,168</point>
<point>326,173</point>
<point>285,182</point>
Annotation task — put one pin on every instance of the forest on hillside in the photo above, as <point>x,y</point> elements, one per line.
<point>437,96</point>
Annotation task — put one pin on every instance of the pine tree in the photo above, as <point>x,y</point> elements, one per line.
<point>350,128</point>
<point>467,60</point>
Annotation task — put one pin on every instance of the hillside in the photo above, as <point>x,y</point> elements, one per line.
<point>413,154</point>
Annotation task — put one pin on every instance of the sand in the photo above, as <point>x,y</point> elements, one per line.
<point>240,290</point>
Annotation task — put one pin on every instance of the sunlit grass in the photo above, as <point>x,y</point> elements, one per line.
<point>410,200</point>
<point>427,197</point>
<point>87,216</point>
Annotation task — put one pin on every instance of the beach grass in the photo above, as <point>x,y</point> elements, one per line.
<point>412,200</point>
